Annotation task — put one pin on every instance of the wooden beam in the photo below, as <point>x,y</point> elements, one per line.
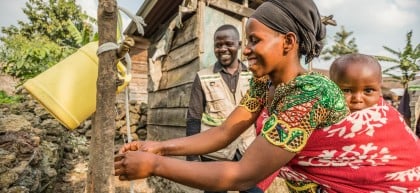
<point>181,56</point>
<point>232,7</point>
<point>200,33</point>
<point>160,133</point>
<point>141,43</point>
<point>170,98</point>
<point>188,33</point>
<point>179,76</point>
<point>244,39</point>
<point>101,152</point>
<point>167,117</point>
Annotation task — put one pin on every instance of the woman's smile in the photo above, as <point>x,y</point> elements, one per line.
<point>251,63</point>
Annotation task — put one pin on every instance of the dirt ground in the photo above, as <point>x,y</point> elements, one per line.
<point>140,186</point>
<point>24,120</point>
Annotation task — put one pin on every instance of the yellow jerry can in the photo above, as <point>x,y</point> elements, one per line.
<point>68,89</point>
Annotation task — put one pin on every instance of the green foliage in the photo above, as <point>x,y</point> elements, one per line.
<point>407,62</point>
<point>52,18</point>
<point>54,30</point>
<point>6,99</point>
<point>341,47</point>
<point>25,58</point>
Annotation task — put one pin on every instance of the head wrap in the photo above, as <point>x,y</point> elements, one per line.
<point>298,16</point>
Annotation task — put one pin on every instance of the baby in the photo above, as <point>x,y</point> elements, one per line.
<point>360,78</point>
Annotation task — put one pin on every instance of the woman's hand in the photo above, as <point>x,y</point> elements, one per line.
<point>133,165</point>
<point>147,146</point>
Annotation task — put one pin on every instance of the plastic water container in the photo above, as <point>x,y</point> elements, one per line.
<point>68,89</point>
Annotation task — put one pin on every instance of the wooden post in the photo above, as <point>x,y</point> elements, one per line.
<point>101,162</point>
<point>201,31</point>
<point>244,40</point>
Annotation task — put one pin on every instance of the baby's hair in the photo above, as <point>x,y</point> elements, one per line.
<point>339,66</point>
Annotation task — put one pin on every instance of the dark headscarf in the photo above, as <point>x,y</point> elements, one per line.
<point>298,16</point>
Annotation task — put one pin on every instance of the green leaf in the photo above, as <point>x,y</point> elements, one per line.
<point>52,30</point>
<point>74,32</point>
<point>343,45</point>
<point>406,62</point>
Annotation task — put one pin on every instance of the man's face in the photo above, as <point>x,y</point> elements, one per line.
<point>226,46</point>
<point>361,87</point>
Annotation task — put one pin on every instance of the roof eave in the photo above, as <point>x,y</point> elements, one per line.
<point>142,12</point>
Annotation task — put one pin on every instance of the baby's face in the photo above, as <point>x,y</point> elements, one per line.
<point>361,88</point>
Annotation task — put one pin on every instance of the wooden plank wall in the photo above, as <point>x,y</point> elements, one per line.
<point>191,50</point>
<point>210,24</point>
<point>168,105</point>
<point>138,83</point>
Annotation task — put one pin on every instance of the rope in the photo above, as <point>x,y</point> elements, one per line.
<point>136,19</point>
<point>108,46</point>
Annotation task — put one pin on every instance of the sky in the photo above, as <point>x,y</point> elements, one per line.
<point>11,11</point>
<point>374,23</point>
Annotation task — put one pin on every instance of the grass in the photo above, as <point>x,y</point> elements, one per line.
<point>6,99</point>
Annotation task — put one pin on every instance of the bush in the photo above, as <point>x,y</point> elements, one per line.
<point>27,58</point>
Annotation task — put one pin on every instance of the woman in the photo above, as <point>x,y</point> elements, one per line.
<point>299,103</point>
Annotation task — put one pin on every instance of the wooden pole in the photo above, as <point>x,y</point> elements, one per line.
<point>101,168</point>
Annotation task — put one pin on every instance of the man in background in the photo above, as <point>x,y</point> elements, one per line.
<point>215,93</point>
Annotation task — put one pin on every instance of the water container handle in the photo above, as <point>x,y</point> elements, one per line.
<point>122,75</point>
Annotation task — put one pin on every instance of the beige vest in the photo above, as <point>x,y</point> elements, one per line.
<point>220,102</point>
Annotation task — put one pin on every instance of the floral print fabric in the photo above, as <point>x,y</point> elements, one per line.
<point>308,102</point>
<point>371,150</point>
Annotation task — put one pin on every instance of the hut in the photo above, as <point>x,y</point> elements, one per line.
<point>177,42</point>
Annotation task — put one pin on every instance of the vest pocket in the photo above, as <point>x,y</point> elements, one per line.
<point>216,97</point>
<point>215,106</point>
<point>215,90</point>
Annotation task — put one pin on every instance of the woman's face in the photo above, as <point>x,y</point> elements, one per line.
<point>263,49</point>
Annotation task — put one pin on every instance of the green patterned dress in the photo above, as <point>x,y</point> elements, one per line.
<point>311,101</point>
